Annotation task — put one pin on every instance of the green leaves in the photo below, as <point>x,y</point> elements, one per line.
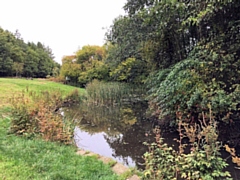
<point>19,58</point>
<point>202,162</point>
<point>87,64</point>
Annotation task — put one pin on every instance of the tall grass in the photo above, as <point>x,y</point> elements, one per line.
<point>110,93</point>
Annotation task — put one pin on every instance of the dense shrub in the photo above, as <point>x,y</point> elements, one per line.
<point>34,115</point>
<point>190,88</point>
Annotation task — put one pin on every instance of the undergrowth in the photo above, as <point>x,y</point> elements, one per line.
<point>200,159</point>
<point>35,115</point>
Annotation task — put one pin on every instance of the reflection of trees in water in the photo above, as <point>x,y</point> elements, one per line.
<point>125,127</point>
<point>109,119</point>
<point>130,144</point>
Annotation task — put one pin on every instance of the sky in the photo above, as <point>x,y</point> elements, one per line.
<point>63,25</point>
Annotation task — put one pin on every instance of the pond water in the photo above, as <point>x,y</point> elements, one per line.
<point>119,132</point>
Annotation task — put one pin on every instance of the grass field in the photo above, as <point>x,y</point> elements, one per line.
<point>35,159</point>
<point>10,86</point>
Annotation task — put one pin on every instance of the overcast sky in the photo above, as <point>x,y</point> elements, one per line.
<point>63,25</point>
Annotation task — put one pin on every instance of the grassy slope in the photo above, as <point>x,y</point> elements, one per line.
<point>24,159</point>
<point>10,86</point>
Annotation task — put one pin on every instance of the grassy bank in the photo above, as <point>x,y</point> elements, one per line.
<point>10,86</point>
<point>22,158</point>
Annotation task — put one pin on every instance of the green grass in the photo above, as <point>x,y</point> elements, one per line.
<point>35,159</point>
<point>10,86</point>
<point>24,159</point>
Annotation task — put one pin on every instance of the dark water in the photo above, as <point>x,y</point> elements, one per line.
<point>119,132</point>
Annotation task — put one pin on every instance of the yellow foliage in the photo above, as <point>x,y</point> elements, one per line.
<point>123,70</point>
<point>232,151</point>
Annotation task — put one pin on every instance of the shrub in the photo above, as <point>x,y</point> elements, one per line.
<point>57,79</point>
<point>74,97</point>
<point>202,162</point>
<point>188,88</point>
<point>34,115</point>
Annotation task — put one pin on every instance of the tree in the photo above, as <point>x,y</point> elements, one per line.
<point>70,69</point>
<point>18,68</point>
<point>208,77</point>
<point>90,52</point>
<point>36,59</point>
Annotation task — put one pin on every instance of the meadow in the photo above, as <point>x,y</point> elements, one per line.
<point>13,86</point>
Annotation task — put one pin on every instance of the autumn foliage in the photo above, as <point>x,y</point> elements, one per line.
<point>34,115</point>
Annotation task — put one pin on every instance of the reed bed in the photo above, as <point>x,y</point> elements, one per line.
<point>110,93</point>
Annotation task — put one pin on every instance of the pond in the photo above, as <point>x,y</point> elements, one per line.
<point>119,132</point>
<point>114,131</point>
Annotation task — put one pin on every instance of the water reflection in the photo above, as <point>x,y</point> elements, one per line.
<point>117,131</point>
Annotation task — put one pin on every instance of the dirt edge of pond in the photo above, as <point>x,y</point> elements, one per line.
<point>117,168</point>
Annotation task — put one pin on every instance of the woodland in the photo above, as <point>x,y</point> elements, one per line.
<point>18,58</point>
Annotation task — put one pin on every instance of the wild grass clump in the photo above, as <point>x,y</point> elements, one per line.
<point>108,93</point>
<point>199,159</point>
<point>34,114</point>
<point>75,97</point>
<point>58,79</point>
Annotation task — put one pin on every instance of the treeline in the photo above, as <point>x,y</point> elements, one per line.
<point>190,52</point>
<point>18,58</point>
<point>95,62</point>
<point>186,52</point>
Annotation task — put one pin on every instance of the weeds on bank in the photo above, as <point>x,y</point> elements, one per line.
<point>75,97</point>
<point>34,114</point>
<point>198,160</point>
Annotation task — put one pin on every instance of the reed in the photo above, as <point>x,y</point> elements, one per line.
<point>108,93</point>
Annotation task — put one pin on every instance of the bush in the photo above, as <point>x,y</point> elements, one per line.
<point>34,115</point>
<point>187,90</point>
<point>202,162</point>
<point>74,97</point>
<point>58,79</point>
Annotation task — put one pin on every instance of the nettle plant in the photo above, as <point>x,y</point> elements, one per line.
<point>197,160</point>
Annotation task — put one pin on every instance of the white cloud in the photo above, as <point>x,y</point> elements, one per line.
<point>63,25</point>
